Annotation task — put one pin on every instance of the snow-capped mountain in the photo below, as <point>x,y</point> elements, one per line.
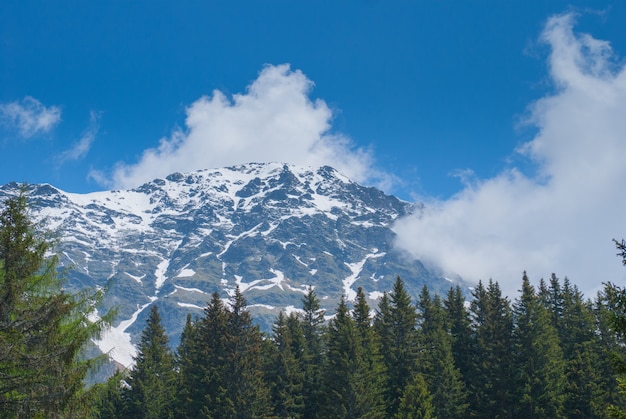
<point>271,229</point>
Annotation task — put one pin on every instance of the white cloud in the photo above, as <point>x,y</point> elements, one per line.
<point>563,218</point>
<point>29,116</point>
<point>81,148</point>
<point>274,120</point>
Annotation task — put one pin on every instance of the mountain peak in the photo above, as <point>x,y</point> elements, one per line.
<point>271,229</point>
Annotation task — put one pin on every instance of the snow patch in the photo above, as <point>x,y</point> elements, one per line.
<point>116,342</point>
<point>160,273</point>
<point>185,273</point>
<point>292,309</point>
<point>136,278</point>
<point>356,269</point>
<point>187,305</point>
<point>178,287</point>
<point>375,295</point>
<point>267,306</point>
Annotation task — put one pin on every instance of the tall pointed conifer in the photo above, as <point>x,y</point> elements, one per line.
<point>459,327</point>
<point>285,376</point>
<point>436,362</point>
<point>491,382</point>
<point>151,384</point>
<point>313,356</point>
<point>396,322</point>
<point>539,362</point>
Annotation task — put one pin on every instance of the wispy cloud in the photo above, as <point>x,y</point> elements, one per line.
<point>81,148</point>
<point>274,120</point>
<point>562,218</point>
<point>29,116</point>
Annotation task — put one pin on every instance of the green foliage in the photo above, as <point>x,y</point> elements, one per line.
<point>284,375</point>
<point>43,330</point>
<point>351,388</point>
<point>372,374</point>
<point>395,323</point>
<point>436,361</point>
<point>151,382</point>
<point>615,297</point>
<point>220,363</point>
<point>575,323</point>
<point>108,402</point>
<point>539,363</point>
<point>416,401</point>
<point>491,383</point>
<point>458,325</point>
<point>312,359</point>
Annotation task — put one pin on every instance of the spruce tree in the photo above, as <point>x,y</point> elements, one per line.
<point>313,356</point>
<point>349,387</point>
<point>575,323</point>
<point>284,374</point>
<point>189,390</point>
<point>395,323</point>
<point>436,362</point>
<point>340,396</point>
<point>247,391</point>
<point>459,327</point>
<point>151,383</point>
<point>607,311</point>
<point>203,362</point>
<point>373,375</point>
<point>43,329</point>
<point>539,364</point>
<point>611,311</point>
<point>491,380</point>
<point>107,401</point>
<point>416,401</point>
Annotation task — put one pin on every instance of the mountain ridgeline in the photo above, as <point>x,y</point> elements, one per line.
<point>272,230</point>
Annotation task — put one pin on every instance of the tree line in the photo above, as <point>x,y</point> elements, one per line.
<point>549,353</point>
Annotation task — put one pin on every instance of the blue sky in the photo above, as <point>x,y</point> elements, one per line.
<point>453,103</point>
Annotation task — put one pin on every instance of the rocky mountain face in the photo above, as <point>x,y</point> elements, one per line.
<point>273,230</point>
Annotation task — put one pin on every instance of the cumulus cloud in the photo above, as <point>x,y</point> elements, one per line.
<point>274,120</point>
<point>29,116</point>
<point>562,218</point>
<point>81,148</point>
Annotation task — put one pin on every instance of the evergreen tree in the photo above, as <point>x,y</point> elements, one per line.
<point>416,401</point>
<point>459,327</point>
<point>436,362</point>
<point>108,402</point>
<point>350,390</point>
<point>341,362</point>
<point>612,313</point>
<point>373,376</point>
<point>607,311</point>
<point>150,392</point>
<point>189,391</point>
<point>575,323</point>
<point>313,356</point>
<point>244,380</point>
<point>221,352</point>
<point>395,323</point>
<point>284,374</point>
<point>203,363</point>
<point>43,329</point>
<point>491,380</point>
<point>539,364</point>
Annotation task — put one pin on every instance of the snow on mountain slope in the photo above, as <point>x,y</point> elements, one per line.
<point>273,230</point>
